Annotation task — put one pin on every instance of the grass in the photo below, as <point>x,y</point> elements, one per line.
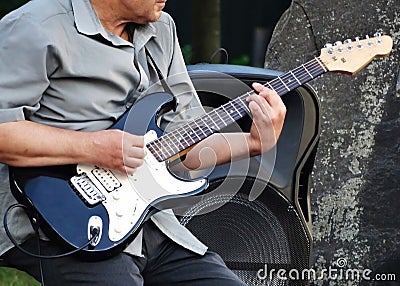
<point>13,277</point>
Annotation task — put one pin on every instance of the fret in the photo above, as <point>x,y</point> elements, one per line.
<point>217,111</point>
<point>223,116</point>
<point>275,85</point>
<point>234,109</point>
<point>237,105</point>
<point>200,132</point>
<point>192,131</point>
<point>270,86</point>
<point>182,142</point>
<point>199,128</point>
<point>206,125</point>
<point>177,140</point>
<point>301,75</point>
<point>153,149</point>
<point>233,113</point>
<point>156,147</point>
<point>280,78</point>
<point>227,112</point>
<point>216,118</point>
<point>215,125</point>
<point>243,102</point>
<point>307,71</point>
<point>322,66</point>
<point>165,147</point>
<point>295,78</point>
<point>290,81</point>
<point>314,68</point>
<point>185,135</point>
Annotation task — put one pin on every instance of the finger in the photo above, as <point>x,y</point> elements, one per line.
<point>128,170</point>
<point>272,97</point>
<point>269,94</point>
<point>134,152</point>
<point>261,102</point>
<point>133,162</point>
<point>257,86</point>
<point>261,112</point>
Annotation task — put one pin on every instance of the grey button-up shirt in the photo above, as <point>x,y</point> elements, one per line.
<point>60,67</point>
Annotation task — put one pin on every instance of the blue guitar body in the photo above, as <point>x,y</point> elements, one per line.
<point>71,200</point>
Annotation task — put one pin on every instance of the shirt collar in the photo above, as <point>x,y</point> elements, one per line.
<point>143,34</point>
<point>88,23</point>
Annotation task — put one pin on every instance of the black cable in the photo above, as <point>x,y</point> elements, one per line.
<point>220,50</point>
<point>95,233</point>
<point>40,259</point>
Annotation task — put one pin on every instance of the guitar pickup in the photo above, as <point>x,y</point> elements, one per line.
<point>106,179</point>
<point>86,190</point>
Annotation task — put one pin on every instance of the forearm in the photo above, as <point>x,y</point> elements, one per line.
<point>219,149</point>
<point>25,143</point>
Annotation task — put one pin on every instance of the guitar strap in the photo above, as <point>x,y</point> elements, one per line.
<point>160,76</point>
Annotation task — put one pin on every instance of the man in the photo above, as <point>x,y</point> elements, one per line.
<point>68,70</point>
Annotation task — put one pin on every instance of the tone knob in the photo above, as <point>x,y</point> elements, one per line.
<point>119,213</point>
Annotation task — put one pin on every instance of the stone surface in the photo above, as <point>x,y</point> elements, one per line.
<point>356,194</point>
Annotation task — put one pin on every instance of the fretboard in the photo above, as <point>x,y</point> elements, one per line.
<point>202,127</point>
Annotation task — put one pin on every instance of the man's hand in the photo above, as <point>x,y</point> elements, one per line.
<point>268,113</point>
<point>117,150</point>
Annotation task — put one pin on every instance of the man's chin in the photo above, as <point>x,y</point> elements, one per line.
<point>157,16</point>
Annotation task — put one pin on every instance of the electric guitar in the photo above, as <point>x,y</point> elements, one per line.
<point>73,200</point>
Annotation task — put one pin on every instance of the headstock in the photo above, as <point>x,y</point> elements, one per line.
<point>351,56</point>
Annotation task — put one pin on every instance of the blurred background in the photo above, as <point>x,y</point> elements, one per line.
<point>240,27</point>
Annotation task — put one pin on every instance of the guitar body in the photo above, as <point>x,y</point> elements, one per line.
<point>71,200</point>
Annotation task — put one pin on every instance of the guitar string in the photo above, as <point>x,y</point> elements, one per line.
<point>309,67</point>
<point>309,70</point>
<point>281,85</point>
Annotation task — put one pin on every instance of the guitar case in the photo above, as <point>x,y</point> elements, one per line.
<point>256,212</point>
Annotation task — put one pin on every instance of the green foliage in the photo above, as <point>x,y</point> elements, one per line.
<point>243,60</point>
<point>13,277</point>
<point>187,53</point>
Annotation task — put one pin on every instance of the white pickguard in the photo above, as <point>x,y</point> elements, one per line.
<point>127,197</point>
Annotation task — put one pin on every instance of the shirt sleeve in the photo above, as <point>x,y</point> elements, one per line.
<point>24,67</point>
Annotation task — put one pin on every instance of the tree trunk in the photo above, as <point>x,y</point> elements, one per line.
<point>356,197</point>
<point>206,36</point>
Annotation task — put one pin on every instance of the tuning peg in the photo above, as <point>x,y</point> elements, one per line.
<point>358,45</point>
<point>369,42</point>
<point>348,43</point>
<point>379,38</point>
<point>339,46</point>
<point>329,47</point>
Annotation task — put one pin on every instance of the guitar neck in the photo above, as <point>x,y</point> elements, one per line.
<point>202,127</point>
